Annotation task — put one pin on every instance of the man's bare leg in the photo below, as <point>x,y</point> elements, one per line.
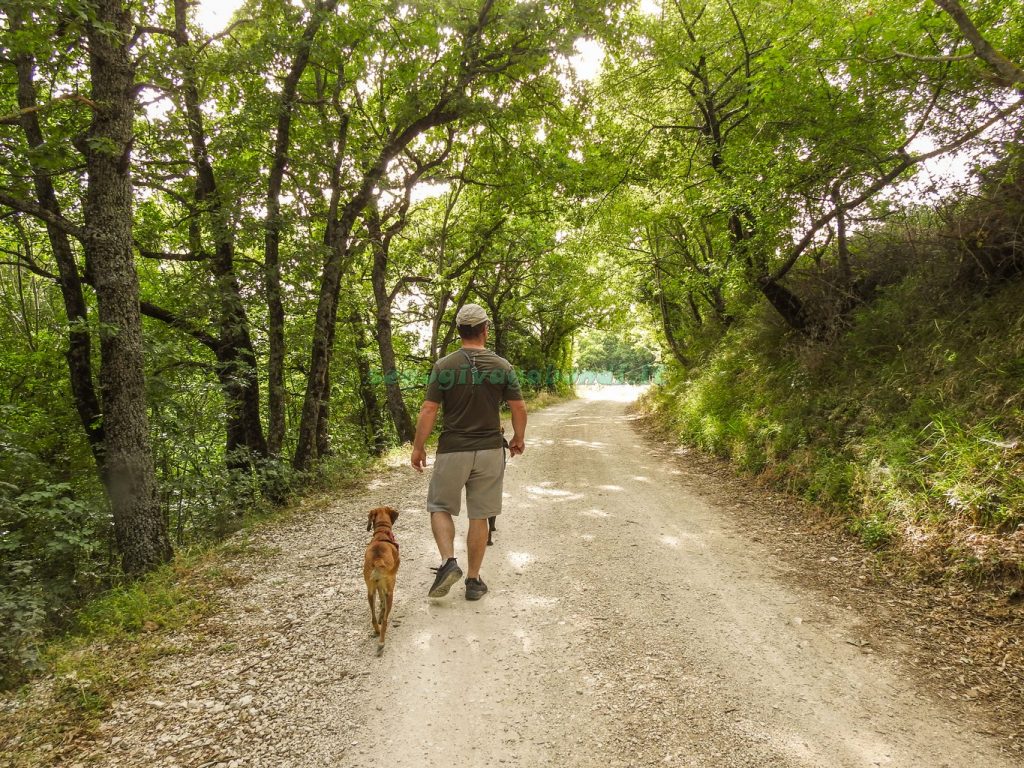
<point>476,543</point>
<point>443,527</point>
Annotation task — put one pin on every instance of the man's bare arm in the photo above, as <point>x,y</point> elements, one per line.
<point>424,426</point>
<point>518,442</point>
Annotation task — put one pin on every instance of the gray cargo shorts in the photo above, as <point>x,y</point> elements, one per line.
<point>479,472</point>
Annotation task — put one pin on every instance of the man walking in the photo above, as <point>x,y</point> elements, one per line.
<point>470,383</point>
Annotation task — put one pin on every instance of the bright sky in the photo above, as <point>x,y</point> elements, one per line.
<point>214,15</point>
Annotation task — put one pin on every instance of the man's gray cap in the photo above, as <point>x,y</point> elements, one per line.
<point>471,315</point>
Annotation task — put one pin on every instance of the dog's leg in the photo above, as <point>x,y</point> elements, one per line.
<point>385,597</point>
<point>491,528</point>
<point>371,595</point>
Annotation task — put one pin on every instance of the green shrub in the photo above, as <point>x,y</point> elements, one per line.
<point>51,553</point>
<point>876,531</point>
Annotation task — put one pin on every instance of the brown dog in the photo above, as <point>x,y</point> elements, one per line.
<point>380,567</point>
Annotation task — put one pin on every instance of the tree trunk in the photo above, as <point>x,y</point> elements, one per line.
<point>237,373</point>
<point>435,326</point>
<point>276,424</point>
<point>323,433</point>
<point>139,526</point>
<point>330,280</point>
<point>404,427</point>
<point>79,352</point>
<point>1006,71</point>
<point>497,329</point>
<point>666,316</point>
<point>786,303</point>
<point>670,334</point>
<point>694,309</point>
<point>449,331</point>
<point>272,238</point>
<point>336,244</point>
<point>842,242</point>
<point>236,357</point>
<point>376,439</point>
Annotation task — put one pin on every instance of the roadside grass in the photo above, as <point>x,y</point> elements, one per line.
<point>909,424</point>
<point>544,398</point>
<point>109,649</point>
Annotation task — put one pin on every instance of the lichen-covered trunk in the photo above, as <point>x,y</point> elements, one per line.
<point>404,427</point>
<point>79,352</point>
<point>272,239</point>
<point>372,421</point>
<point>236,356</point>
<point>392,379</point>
<point>139,526</point>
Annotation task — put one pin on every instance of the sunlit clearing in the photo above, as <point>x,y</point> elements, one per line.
<point>525,640</point>
<point>538,491</point>
<point>536,601</point>
<point>519,560</point>
<point>422,640</point>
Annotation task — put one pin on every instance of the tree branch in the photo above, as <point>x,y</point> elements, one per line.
<point>221,35</point>
<point>906,162</point>
<point>917,57</point>
<point>1007,72</point>
<point>170,256</point>
<point>166,316</point>
<point>404,281</point>
<point>26,261</point>
<point>45,216</point>
<point>15,117</point>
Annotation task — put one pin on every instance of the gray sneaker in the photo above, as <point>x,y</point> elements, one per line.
<point>475,589</point>
<point>447,575</point>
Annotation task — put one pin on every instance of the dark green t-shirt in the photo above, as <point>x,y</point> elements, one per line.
<point>470,385</point>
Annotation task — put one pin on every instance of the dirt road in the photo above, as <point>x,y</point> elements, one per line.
<point>629,623</point>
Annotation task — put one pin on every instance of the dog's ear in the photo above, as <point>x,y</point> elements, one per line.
<point>369,521</point>
<point>393,513</point>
